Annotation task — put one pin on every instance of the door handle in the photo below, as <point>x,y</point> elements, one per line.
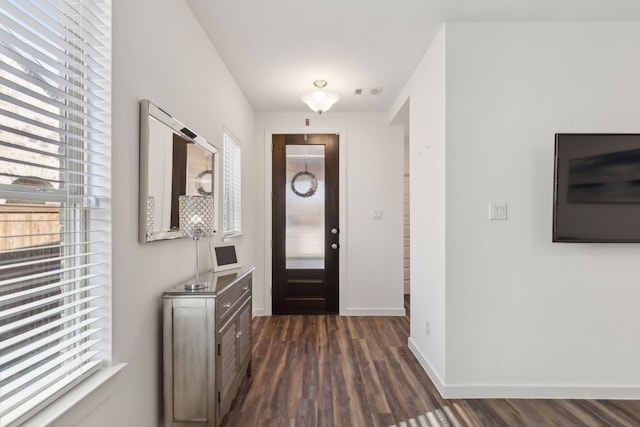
<point>334,246</point>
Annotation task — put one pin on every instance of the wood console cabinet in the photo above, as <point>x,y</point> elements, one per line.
<point>206,348</point>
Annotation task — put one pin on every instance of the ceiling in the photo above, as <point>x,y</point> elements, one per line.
<point>275,49</point>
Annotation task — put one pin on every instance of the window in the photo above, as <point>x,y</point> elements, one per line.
<point>55,85</point>
<point>232,194</point>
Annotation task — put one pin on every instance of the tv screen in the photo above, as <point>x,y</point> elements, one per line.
<point>597,188</point>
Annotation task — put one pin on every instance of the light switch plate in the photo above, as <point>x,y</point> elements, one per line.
<point>497,211</point>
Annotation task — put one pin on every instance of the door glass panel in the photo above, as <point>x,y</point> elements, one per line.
<point>304,201</point>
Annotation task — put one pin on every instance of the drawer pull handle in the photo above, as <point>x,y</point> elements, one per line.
<point>226,305</point>
<point>246,288</point>
<point>239,334</point>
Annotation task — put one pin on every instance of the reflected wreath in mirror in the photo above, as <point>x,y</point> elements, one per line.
<point>204,183</point>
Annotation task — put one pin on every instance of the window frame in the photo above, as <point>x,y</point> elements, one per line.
<point>71,35</point>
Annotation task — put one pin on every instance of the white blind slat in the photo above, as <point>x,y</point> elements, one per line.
<point>38,123</point>
<point>47,99</point>
<point>46,76</point>
<point>49,300</point>
<point>68,171</point>
<point>62,246</point>
<point>60,114</point>
<point>60,143</point>
<point>54,195</point>
<point>72,18</point>
<point>50,96</point>
<point>54,38</point>
<point>45,314</point>
<point>47,390</point>
<point>232,208</point>
<point>43,369</point>
<point>31,262</point>
<point>48,327</point>
<point>66,235</point>
<point>47,274</point>
<point>36,388</point>
<point>63,344</point>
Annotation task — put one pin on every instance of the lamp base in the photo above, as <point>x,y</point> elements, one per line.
<point>195,286</point>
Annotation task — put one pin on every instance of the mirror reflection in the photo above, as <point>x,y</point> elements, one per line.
<point>174,161</point>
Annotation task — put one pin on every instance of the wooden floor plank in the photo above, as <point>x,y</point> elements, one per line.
<point>331,371</point>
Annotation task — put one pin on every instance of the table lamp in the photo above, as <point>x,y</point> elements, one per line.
<point>196,221</point>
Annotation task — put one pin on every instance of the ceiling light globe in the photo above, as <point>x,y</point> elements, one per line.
<point>319,100</point>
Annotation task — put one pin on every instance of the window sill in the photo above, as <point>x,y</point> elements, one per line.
<point>231,236</point>
<point>65,403</point>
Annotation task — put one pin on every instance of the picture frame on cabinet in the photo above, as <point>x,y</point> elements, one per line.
<point>223,256</point>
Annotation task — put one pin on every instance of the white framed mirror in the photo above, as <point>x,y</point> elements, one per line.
<point>174,161</point>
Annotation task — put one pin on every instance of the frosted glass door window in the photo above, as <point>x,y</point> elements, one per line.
<point>305,208</point>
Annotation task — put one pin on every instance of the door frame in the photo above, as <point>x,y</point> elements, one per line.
<point>342,208</point>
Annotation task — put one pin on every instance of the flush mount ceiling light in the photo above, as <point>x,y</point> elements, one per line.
<point>319,100</point>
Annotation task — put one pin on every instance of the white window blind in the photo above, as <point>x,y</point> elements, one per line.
<point>232,197</point>
<point>55,80</point>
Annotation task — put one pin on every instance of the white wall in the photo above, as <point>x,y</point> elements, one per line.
<point>372,162</point>
<point>525,317</point>
<point>159,53</point>
<point>426,93</point>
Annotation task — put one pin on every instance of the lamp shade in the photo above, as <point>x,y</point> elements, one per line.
<point>319,100</point>
<point>196,216</point>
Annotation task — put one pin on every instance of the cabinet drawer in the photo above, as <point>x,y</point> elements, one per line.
<point>233,298</point>
<point>244,339</point>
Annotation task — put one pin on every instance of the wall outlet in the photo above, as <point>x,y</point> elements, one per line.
<point>376,214</point>
<point>427,328</point>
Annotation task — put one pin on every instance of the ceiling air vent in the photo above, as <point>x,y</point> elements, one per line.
<point>370,91</point>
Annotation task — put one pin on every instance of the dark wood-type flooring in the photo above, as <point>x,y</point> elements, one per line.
<point>357,371</point>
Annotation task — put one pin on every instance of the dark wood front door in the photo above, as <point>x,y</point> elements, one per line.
<point>305,224</point>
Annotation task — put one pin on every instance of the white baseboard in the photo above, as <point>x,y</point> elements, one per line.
<point>526,391</point>
<point>373,312</point>
<point>351,312</point>
<point>540,392</point>
<point>424,362</point>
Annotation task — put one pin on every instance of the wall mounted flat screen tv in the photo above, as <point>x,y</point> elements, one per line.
<point>597,188</point>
